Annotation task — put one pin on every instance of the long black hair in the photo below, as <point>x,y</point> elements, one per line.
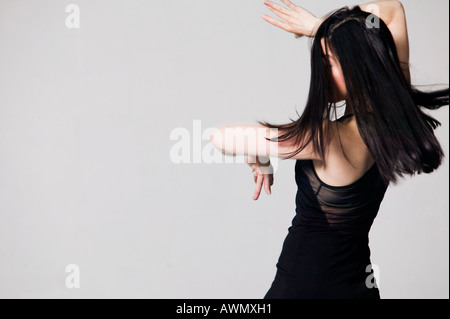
<point>387,108</point>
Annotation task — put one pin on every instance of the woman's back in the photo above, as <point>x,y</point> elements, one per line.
<point>326,253</point>
<point>339,171</point>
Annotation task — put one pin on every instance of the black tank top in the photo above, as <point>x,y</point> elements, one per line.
<point>352,207</point>
<point>326,252</point>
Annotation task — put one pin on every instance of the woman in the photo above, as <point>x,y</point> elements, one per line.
<point>343,165</point>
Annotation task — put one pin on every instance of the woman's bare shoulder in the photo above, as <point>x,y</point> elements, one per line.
<point>348,157</point>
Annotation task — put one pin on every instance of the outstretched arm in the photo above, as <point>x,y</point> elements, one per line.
<point>250,140</point>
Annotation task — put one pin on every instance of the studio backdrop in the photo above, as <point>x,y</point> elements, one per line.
<point>109,187</point>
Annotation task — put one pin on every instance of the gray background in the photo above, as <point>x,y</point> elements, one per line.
<point>86,176</point>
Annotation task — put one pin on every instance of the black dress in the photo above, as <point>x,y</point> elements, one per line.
<point>326,253</point>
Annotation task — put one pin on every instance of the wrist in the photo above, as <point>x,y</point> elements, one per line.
<point>264,161</point>
<point>316,27</point>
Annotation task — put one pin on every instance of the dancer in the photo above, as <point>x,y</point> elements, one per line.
<point>344,164</point>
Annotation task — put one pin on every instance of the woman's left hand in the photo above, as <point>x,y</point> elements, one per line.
<point>262,174</point>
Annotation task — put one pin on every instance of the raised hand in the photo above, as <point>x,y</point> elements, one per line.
<point>296,19</point>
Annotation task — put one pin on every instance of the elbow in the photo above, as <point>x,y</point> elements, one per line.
<point>398,6</point>
<point>216,139</point>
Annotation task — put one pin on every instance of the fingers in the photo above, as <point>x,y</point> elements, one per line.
<point>277,8</point>
<point>267,184</point>
<point>259,184</point>
<point>263,180</point>
<point>278,13</point>
<point>262,176</point>
<point>289,4</point>
<point>277,23</point>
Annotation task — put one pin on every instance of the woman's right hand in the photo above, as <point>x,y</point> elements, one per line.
<point>296,20</point>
